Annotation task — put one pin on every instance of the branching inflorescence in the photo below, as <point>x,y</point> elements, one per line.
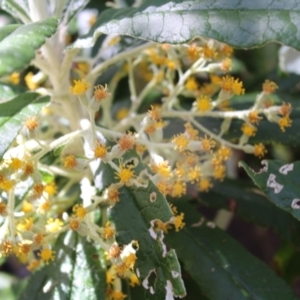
<point>173,88</point>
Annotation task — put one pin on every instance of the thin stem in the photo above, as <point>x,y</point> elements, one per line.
<point>121,56</point>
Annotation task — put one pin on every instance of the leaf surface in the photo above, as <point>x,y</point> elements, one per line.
<point>76,273</point>
<point>240,23</point>
<point>18,48</point>
<point>13,114</point>
<point>223,269</point>
<point>280,182</point>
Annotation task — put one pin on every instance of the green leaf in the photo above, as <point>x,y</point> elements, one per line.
<point>7,30</point>
<point>18,9</point>
<point>14,113</point>
<point>18,48</point>
<point>76,273</point>
<point>242,24</point>
<point>132,216</point>
<point>221,266</point>
<point>246,201</point>
<point>9,91</point>
<point>280,182</point>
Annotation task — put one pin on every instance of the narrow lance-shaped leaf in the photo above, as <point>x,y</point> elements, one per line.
<point>18,48</point>
<point>221,266</point>
<point>280,182</point>
<point>76,273</point>
<point>240,23</point>
<point>14,113</point>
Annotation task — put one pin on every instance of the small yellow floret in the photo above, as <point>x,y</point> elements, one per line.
<point>191,84</point>
<point>233,86</point>
<point>125,174</point>
<point>31,123</point>
<point>80,211</point>
<point>100,151</point>
<point>70,161</point>
<point>79,88</point>
<point>207,143</point>
<point>51,188</point>
<point>204,185</point>
<point>180,142</point>
<point>269,87</point>
<point>284,122</point>
<point>46,255</point>
<point>15,163</point>
<point>108,231</point>
<point>178,189</point>
<point>178,222</point>
<point>253,117</point>
<point>203,104</point>
<point>248,130</point>
<point>259,150</point>
<point>54,225</point>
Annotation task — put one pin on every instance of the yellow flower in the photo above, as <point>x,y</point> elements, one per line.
<point>122,113</point>
<point>100,151</point>
<point>285,109</point>
<point>254,117</point>
<point>224,153</point>
<point>194,174</point>
<point>51,188</point>
<point>232,86</point>
<point>31,123</point>
<point>79,88</point>
<point>284,122</point>
<point>70,161</point>
<point>180,142</point>
<point>219,172</point>
<point>248,130</point>
<point>79,211</point>
<point>108,231</point>
<point>15,163</point>
<point>162,168</point>
<point>191,84</point>
<point>14,78</point>
<point>204,185</point>
<point>259,150</point>
<point>207,143</point>
<point>203,104</point>
<point>54,225</point>
<point>178,222</point>
<point>193,52</point>
<point>125,174</point>
<point>269,87</point>
<point>46,254</point>
<point>178,188</point>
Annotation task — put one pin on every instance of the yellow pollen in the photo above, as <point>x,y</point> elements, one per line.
<point>180,142</point>
<point>70,161</point>
<point>248,130</point>
<point>269,87</point>
<point>79,88</point>
<point>259,150</point>
<point>100,151</point>
<point>284,122</point>
<point>31,123</point>
<point>125,174</point>
<point>46,255</point>
<point>203,104</point>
